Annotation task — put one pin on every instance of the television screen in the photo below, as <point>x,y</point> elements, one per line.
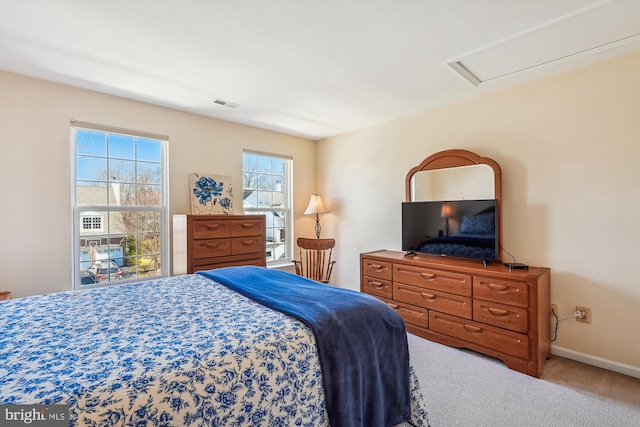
<point>461,228</point>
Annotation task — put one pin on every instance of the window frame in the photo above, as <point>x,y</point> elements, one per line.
<point>84,211</point>
<point>288,208</point>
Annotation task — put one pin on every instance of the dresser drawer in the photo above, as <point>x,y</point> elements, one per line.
<point>504,316</point>
<point>412,315</point>
<point>211,248</point>
<point>433,300</point>
<point>247,245</point>
<point>502,291</point>
<point>381,270</point>
<point>248,227</point>
<point>256,261</point>
<point>211,229</point>
<point>454,283</point>
<point>378,287</point>
<point>487,336</point>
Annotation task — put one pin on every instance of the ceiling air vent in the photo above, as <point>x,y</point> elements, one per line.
<point>226,103</point>
<point>464,72</point>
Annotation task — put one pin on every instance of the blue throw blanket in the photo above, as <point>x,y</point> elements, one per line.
<point>362,343</point>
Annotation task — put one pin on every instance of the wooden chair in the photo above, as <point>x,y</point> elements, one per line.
<point>315,258</point>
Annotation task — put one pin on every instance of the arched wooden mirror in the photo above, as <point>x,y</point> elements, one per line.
<point>457,175</point>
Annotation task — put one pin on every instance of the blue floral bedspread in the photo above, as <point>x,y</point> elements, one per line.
<point>181,351</point>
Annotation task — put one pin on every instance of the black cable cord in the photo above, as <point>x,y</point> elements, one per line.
<point>505,251</point>
<point>555,332</point>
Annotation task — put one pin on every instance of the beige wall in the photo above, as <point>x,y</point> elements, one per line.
<point>568,147</point>
<point>35,211</point>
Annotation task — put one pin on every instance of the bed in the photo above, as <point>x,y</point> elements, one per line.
<point>184,350</point>
<point>476,239</point>
<point>462,245</point>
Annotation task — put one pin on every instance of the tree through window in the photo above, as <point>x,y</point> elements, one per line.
<point>120,214</point>
<point>266,185</point>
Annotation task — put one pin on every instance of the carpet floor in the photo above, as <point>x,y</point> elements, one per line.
<point>463,388</point>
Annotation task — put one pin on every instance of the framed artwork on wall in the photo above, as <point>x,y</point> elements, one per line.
<point>211,194</point>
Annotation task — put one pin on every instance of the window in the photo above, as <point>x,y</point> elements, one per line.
<point>266,185</point>
<point>119,205</point>
<point>91,223</point>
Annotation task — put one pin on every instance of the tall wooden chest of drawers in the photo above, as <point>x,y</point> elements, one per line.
<point>204,242</point>
<point>462,303</point>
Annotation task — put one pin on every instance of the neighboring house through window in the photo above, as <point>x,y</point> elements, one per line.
<point>91,223</point>
<point>266,185</point>
<point>120,223</point>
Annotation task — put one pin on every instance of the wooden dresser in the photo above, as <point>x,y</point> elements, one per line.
<point>204,242</point>
<point>461,303</point>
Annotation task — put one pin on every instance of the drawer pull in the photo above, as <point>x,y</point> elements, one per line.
<point>472,329</point>
<point>394,306</point>
<point>376,285</point>
<point>427,296</point>
<point>247,242</point>
<point>212,245</point>
<point>497,311</point>
<point>413,312</point>
<point>212,226</point>
<point>427,276</point>
<point>248,225</point>
<point>376,267</point>
<point>497,288</point>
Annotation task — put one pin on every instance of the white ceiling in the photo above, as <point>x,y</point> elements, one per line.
<point>309,68</point>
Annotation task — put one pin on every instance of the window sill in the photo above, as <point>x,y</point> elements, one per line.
<point>281,265</point>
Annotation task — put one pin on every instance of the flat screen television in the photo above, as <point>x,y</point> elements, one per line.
<point>460,228</point>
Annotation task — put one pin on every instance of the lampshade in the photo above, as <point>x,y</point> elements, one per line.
<point>446,210</point>
<point>316,205</point>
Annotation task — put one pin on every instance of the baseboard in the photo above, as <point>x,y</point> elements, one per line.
<point>599,362</point>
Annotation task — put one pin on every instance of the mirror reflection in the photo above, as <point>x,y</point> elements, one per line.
<point>456,183</point>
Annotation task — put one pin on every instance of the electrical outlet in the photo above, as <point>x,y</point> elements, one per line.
<point>587,317</point>
<point>555,309</point>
